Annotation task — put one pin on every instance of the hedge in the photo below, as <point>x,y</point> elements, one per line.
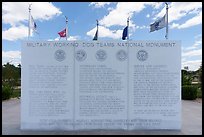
<point>6,92</point>
<point>189,92</point>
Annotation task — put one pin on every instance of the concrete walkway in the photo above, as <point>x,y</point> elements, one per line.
<point>191,123</point>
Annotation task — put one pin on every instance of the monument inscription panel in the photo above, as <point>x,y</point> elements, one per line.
<point>73,85</point>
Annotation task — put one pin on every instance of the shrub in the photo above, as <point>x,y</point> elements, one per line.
<point>6,92</point>
<point>199,94</point>
<point>189,92</point>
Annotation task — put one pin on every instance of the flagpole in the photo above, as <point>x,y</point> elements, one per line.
<point>97,28</point>
<point>29,21</point>
<point>127,28</point>
<point>66,27</point>
<point>166,20</point>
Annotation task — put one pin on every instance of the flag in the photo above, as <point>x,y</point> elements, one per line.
<point>125,33</point>
<point>96,35</point>
<point>159,24</point>
<point>62,33</point>
<point>33,24</point>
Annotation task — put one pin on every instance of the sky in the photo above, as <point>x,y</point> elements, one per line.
<point>184,23</point>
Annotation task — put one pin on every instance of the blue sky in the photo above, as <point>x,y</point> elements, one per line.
<point>185,24</point>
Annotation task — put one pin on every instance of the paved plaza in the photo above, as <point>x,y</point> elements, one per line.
<point>191,122</point>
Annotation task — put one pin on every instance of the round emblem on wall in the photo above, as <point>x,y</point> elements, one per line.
<point>80,55</point>
<point>142,55</point>
<point>60,55</point>
<point>121,55</point>
<point>101,55</point>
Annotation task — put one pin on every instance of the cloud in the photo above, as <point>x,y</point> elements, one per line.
<point>192,22</point>
<point>119,15</point>
<point>174,25</point>
<point>105,32</point>
<point>192,53</point>
<point>156,5</point>
<point>16,15</point>
<point>13,57</point>
<point>142,27</point>
<point>178,10</point>
<point>70,38</point>
<point>197,44</point>
<point>123,10</point>
<point>147,15</point>
<point>99,4</point>
<point>73,38</point>
<point>196,20</point>
<point>15,33</point>
<point>192,65</point>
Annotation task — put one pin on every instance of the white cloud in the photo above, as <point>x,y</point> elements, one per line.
<point>177,10</point>
<point>70,38</point>
<point>192,53</point>
<point>197,44</point>
<point>119,15</point>
<point>142,27</point>
<point>73,38</point>
<point>192,22</point>
<point>110,8</point>
<point>174,25</point>
<point>123,10</point>
<point>105,32</point>
<point>14,13</point>
<point>15,33</point>
<point>196,20</point>
<point>192,65</point>
<point>13,57</point>
<point>99,4</point>
<point>147,15</point>
<point>156,5</point>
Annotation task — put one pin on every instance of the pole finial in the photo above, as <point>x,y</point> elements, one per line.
<point>166,36</point>
<point>29,6</point>
<point>66,18</point>
<point>97,22</point>
<point>166,5</point>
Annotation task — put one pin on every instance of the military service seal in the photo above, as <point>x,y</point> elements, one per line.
<point>121,55</point>
<point>142,55</point>
<point>80,55</point>
<point>101,55</point>
<point>60,55</point>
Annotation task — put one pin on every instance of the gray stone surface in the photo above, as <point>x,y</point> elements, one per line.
<point>191,123</point>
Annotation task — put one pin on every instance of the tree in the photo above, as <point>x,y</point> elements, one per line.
<point>186,79</point>
<point>10,75</point>
<point>200,75</point>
